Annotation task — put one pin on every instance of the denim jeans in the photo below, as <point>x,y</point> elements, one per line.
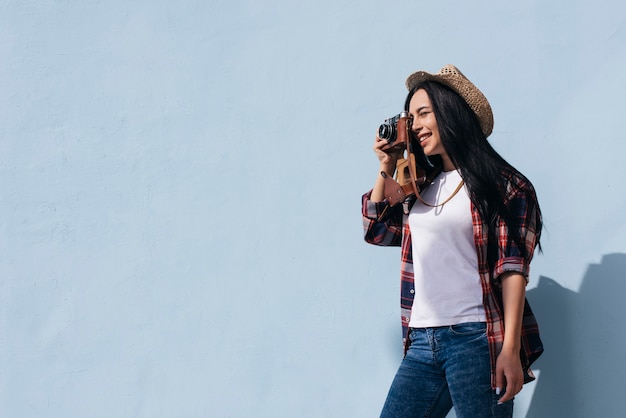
<point>445,367</point>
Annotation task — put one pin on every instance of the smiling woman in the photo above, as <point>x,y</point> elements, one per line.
<point>467,241</point>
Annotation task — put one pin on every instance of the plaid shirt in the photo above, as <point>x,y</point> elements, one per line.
<point>393,230</point>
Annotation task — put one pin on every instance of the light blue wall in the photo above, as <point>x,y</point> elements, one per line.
<point>180,186</point>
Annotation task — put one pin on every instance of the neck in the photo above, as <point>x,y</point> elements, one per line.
<point>447,163</point>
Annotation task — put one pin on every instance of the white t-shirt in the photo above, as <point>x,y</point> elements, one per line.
<point>447,285</point>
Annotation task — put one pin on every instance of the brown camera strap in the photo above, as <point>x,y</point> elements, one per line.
<point>412,167</point>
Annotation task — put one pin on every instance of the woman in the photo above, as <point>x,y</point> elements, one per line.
<point>467,241</point>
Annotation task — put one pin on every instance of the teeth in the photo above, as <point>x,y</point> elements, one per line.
<point>424,137</point>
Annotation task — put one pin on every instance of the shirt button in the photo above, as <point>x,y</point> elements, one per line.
<point>412,291</point>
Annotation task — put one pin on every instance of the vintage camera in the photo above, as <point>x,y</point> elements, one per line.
<point>395,130</point>
<point>409,176</point>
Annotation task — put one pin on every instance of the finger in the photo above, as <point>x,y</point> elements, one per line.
<point>501,386</point>
<point>379,144</point>
<point>506,397</point>
<point>512,389</point>
<point>500,382</point>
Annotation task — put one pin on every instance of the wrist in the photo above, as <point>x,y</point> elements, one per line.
<point>388,168</point>
<point>511,348</point>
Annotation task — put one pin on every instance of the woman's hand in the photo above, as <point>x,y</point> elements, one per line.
<point>509,375</point>
<point>387,158</point>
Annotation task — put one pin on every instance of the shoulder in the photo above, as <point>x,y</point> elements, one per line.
<point>516,185</point>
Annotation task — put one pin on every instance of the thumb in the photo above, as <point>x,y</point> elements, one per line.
<point>500,382</point>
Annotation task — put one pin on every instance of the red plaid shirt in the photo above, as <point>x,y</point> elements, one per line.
<point>393,230</point>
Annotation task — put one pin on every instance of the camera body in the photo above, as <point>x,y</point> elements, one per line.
<point>396,130</point>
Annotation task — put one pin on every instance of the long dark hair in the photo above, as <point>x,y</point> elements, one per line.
<point>485,172</point>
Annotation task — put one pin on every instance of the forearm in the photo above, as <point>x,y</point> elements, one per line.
<point>513,298</point>
<point>387,161</point>
<point>378,192</point>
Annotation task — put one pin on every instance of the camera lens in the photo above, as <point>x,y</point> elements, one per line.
<point>387,131</point>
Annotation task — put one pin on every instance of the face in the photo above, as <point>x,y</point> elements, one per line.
<point>425,125</point>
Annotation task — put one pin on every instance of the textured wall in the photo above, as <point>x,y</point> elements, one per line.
<point>180,192</point>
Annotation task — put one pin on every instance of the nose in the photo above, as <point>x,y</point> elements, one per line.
<point>416,126</point>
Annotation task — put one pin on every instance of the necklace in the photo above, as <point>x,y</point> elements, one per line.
<point>445,201</point>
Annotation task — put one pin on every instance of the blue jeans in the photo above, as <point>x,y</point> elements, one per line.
<point>445,367</point>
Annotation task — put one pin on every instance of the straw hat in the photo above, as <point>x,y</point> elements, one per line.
<point>453,78</point>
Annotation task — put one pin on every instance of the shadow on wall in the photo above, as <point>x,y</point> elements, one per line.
<point>583,368</point>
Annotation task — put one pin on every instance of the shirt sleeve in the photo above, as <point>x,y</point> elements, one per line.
<point>523,207</point>
<point>382,224</point>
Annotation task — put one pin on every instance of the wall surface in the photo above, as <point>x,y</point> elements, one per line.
<point>180,183</point>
